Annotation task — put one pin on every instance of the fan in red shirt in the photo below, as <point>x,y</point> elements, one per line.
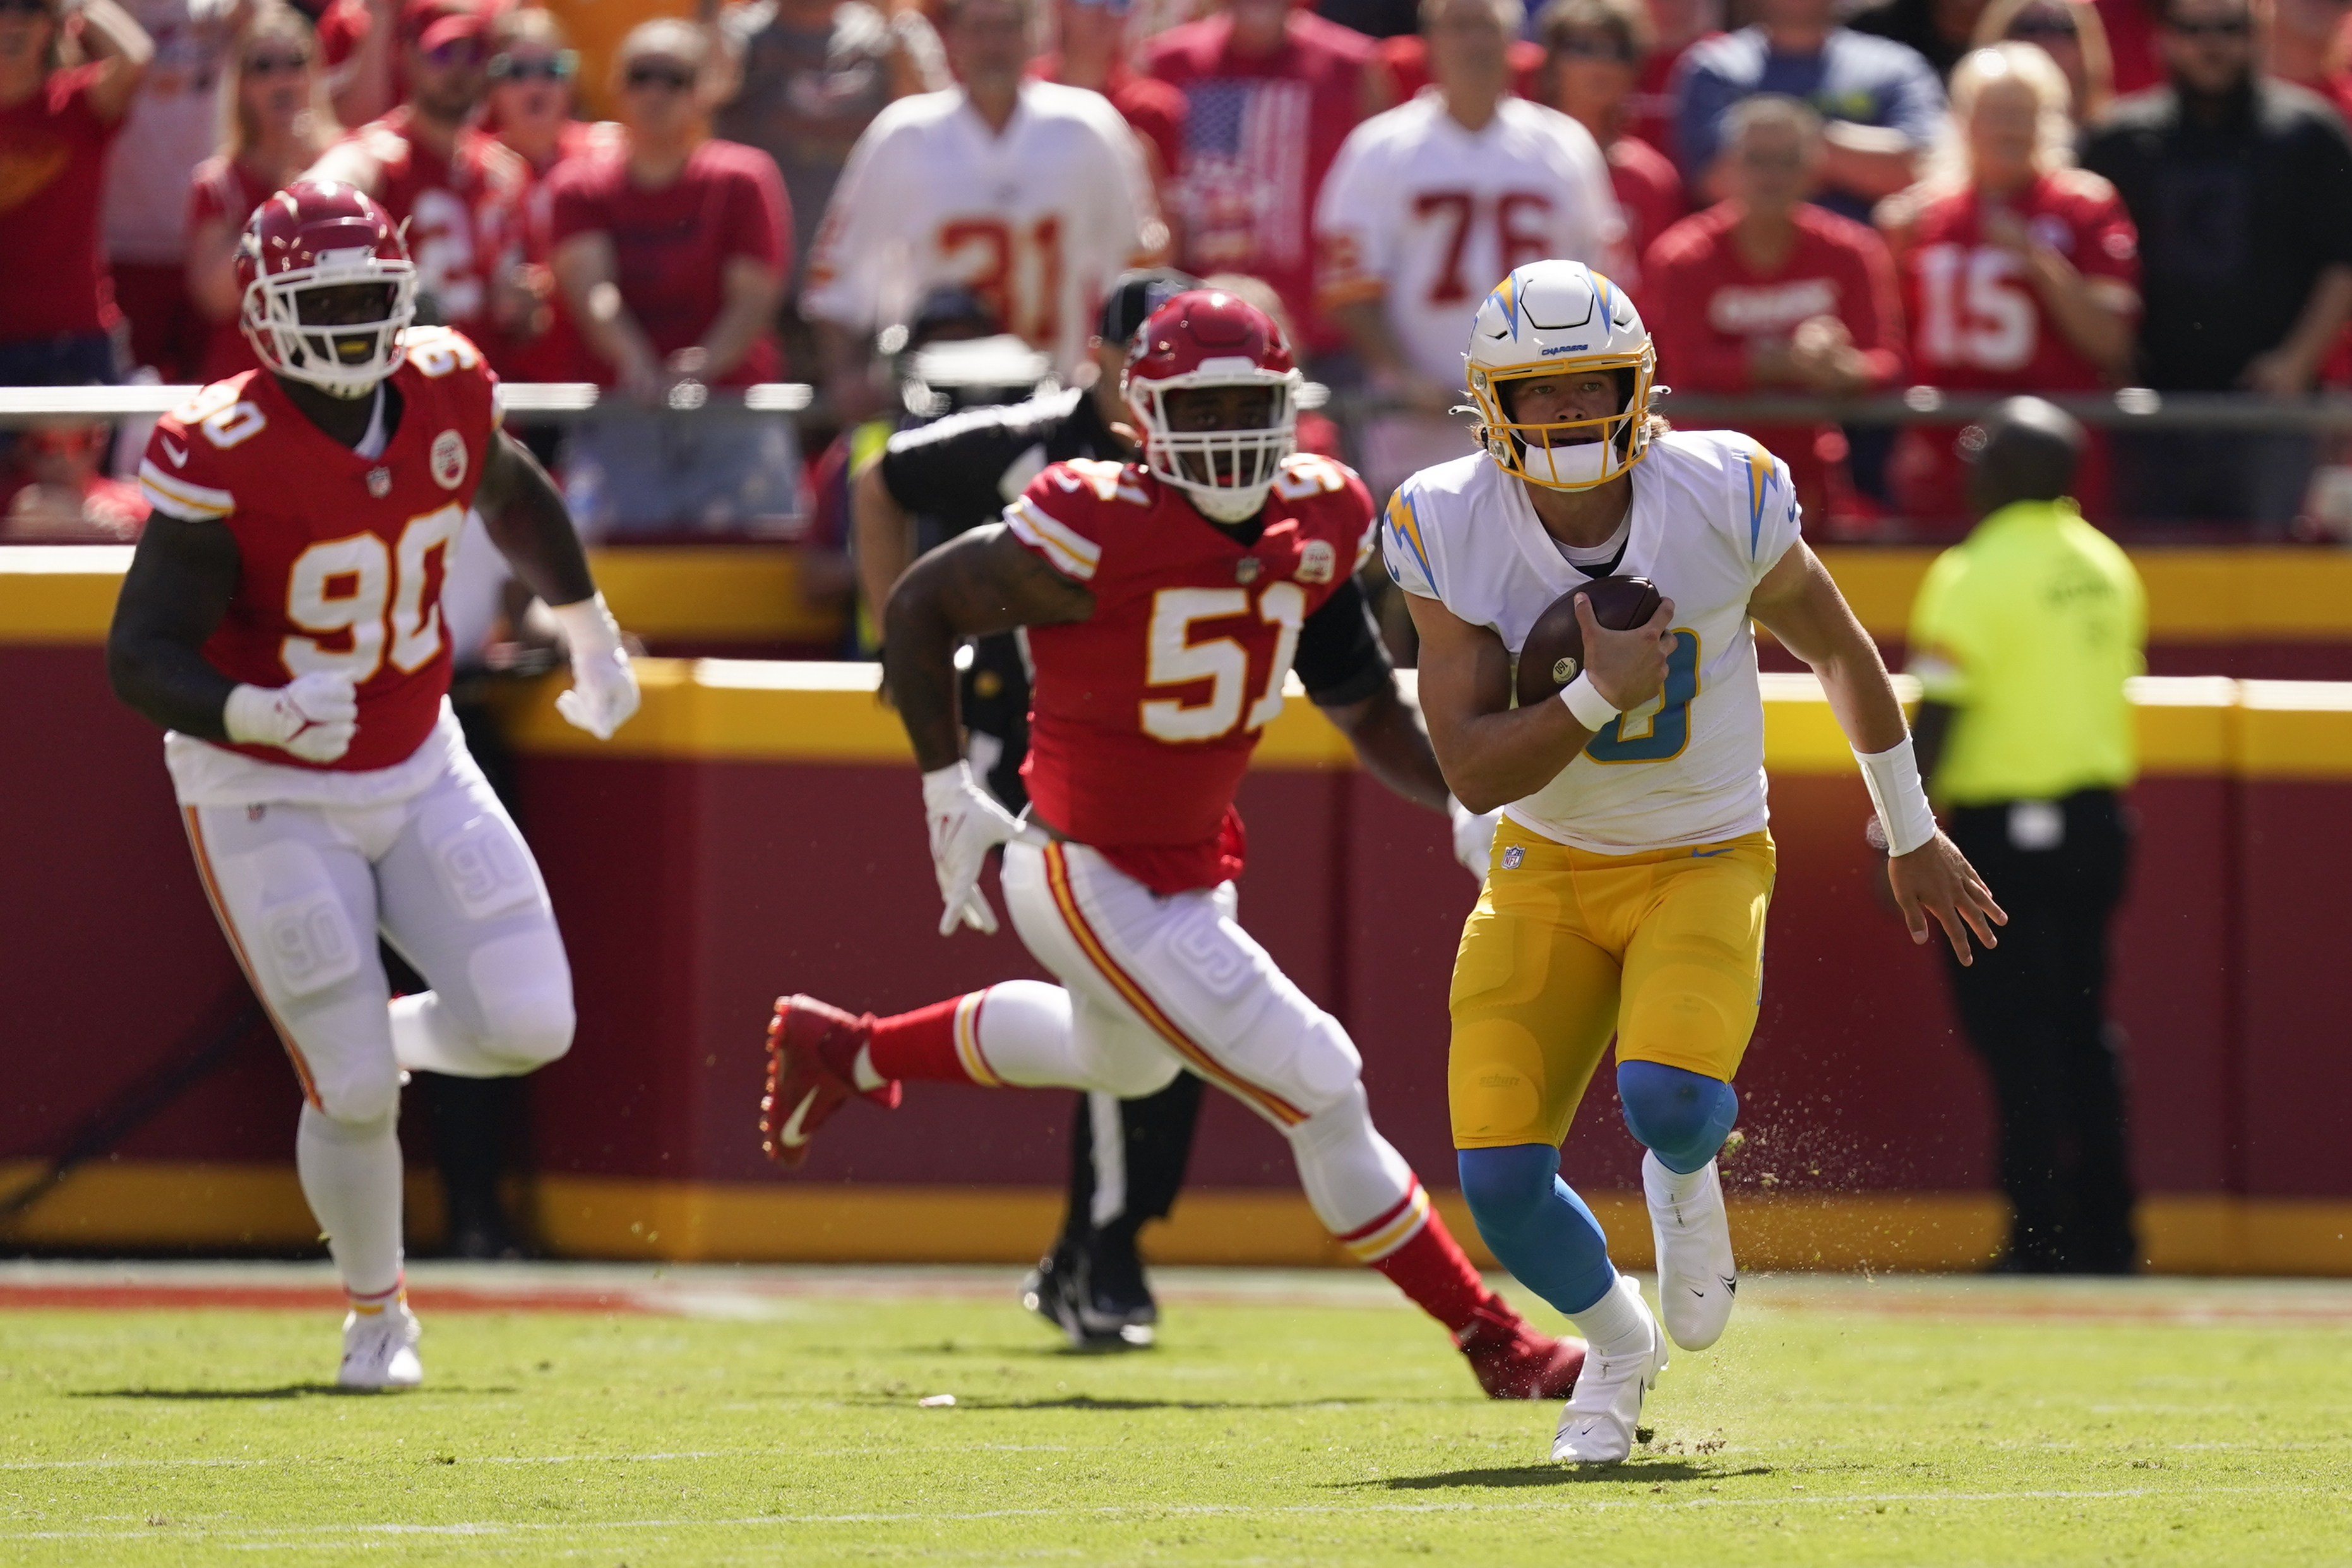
<point>1591,50</point>
<point>671,247</point>
<point>532,78</point>
<point>1167,603</point>
<point>1092,53</point>
<point>1677,25</point>
<point>455,188</point>
<point>2023,276</point>
<point>276,88</point>
<point>57,310</point>
<point>1272,91</point>
<point>1766,292</point>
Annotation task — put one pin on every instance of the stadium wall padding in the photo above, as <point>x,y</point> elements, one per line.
<point>757,829</point>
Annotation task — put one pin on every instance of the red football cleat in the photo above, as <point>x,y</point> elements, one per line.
<point>1514,1362</point>
<point>813,1049</point>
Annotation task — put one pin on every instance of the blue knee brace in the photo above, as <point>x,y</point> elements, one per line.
<point>1680,1116</point>
<point>1537,1226</point>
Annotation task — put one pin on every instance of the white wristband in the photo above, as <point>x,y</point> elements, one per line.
<point>588,627</point>
<point>1891,777</point>
<point>1585,701</point>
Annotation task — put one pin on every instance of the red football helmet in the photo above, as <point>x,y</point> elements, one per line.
<point>317,234</point>
<point>1201,339</point>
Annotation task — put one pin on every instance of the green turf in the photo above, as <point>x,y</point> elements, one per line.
<point>1962,1427</point>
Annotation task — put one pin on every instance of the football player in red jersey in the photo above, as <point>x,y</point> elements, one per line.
<point>282,620</point>
<point>1165,601</point>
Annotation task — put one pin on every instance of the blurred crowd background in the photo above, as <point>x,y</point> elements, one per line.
<point>1820,208</point>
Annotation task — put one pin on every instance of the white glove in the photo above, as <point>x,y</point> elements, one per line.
<point>313,717</point>
<point>966,822</point>
<point>1474,836</point>
<point>603,688</point>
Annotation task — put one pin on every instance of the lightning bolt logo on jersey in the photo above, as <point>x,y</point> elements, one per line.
<point>342,557</point>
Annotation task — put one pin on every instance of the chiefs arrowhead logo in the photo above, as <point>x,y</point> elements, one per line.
<point>448,460</point>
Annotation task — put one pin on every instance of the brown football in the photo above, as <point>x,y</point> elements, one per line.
<point>1553,654</point>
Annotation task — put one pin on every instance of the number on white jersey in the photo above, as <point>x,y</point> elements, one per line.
<point>441,239</point>
<point>1978,309</point>
<point>345,586</point>
<point>1462,212</point>
<point>1017,274</point>
<point>1172,659</point>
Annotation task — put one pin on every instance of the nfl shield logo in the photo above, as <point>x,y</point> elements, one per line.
<point>448,459</point>
<point>1512,855</point>
<point>1245,570</point>
<point>379,483</point>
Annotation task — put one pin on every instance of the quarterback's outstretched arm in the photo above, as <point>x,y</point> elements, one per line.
<point>982,581</point>
<point>1798,604</point>
<point>1493,753</point>
<point>181,579</point>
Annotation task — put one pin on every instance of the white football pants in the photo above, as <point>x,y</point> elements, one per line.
<point>1158,983</point>
<point>302,892</point>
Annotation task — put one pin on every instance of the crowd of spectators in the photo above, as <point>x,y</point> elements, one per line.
<point>660,197</point>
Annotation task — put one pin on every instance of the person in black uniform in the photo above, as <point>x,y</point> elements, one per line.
<point>928,483</point>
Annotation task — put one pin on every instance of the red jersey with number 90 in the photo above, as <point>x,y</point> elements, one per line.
<point>1144,715</point>
<point>341,557</point>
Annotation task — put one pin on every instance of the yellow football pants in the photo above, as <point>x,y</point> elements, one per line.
<point>1664,949</point>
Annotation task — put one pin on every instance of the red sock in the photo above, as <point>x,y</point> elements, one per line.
<point>930,1044</point>
<point>1428,1265</point>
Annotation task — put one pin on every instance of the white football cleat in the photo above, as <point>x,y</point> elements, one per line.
<point>1696,1278</point>
<point>379,1349</point>
<point>1597,1427</point>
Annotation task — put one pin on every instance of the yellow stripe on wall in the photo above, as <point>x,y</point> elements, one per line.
<point>156,1202</point>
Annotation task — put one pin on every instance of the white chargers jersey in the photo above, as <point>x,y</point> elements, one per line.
<point>1426,216</point>
<point>1712,511</point>
<point>1036,221</point>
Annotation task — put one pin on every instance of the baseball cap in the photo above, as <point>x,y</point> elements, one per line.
<point>429,24</point>
<point>1135,296</point>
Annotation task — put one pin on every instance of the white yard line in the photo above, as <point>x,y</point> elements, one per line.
<point>1144,1511</point>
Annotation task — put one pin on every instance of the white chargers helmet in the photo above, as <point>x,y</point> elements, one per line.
<point>1549,318</point>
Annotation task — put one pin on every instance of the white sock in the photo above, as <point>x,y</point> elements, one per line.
<point>1613,1326</point>
<point>351,1176</point>
<point>1025,1034</point>
<point>1664,1185</point>
<point>861,1071</point>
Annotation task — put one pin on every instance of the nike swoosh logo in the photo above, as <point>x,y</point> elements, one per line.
<point>1709,854</point>
<point>790,1135</point>
<point>174,452</point>
<point>1696,1292</point>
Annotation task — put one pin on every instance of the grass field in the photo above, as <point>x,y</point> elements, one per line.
<point>709,1416</point>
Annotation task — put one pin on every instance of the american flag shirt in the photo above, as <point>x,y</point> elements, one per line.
<point>1261,134</point>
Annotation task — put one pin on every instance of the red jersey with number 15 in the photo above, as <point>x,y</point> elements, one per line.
<point>1144,715</point>
<point>341,557</point>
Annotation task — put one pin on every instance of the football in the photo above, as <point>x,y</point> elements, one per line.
<point>1553,654</point>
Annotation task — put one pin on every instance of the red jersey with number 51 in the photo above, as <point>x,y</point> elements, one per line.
<point>341,557</point>
<point>1144,715</point>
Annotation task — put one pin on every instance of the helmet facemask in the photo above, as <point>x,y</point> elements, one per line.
<point>1571,455</point>
<point>1226,471</point>
<point>295,321</point>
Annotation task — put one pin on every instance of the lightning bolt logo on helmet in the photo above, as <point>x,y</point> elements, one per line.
<point>1552,318</point>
